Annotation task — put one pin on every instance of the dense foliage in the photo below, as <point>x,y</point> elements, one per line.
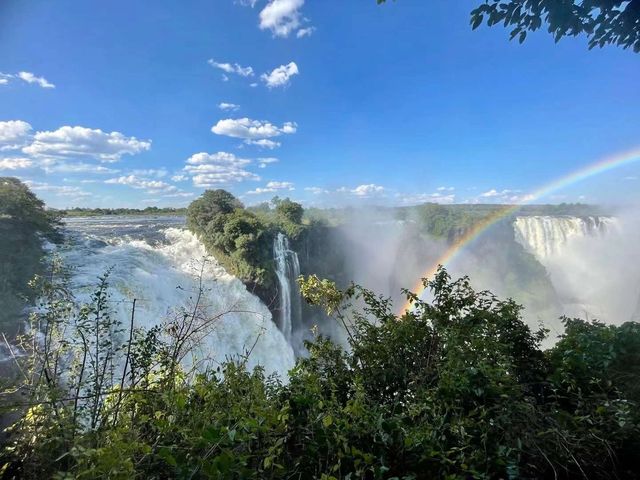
<point>604,22</point>
<point>457,388</point>
<point>24,224</point>
<point>242,239</point>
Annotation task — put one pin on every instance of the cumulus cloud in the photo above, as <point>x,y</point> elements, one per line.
<point>14,134</point>
<point>27,77</point>
<point>253,132</point>
<point>15,163</point>
<point>150,186</point>
<point>280,76</point>
<point>367,190</point>
<point>281,17</point>
<point>445,189</point>
<point>504,196</point>
<point>305,32</point>
<point>272,187</point>
<point>264,161</point>
<point>228,107</point>
<point>216,169</point>
<point>179,178</point>
<point>232,68</point>
<point>85,142</point>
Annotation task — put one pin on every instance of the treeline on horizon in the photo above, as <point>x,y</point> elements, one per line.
<point>575,209</point>
<point>96,212</point>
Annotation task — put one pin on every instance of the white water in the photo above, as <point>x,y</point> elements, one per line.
<point>592,263</point>
<point>159,268</point>
<point>546,236</point>
<point>287,271</point>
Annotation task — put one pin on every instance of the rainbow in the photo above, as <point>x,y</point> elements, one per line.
<point>479,228</point>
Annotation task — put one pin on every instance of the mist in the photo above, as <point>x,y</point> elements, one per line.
<point>590,276</point>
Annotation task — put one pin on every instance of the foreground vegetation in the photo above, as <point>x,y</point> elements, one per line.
<point>457,388</point>
<point>24,225</point>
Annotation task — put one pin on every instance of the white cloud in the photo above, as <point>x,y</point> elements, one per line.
<point>445,189</point>
<point>316,190</point>
<point>232,68</point>
<point>151,172</point>
<point>263,143</point>
<point>631,177</point>
<point>281,185</point>
<point>253,85</point>
<point>179,178</point>
<point>27,77</point>
<point>247,3</point>
<point>14,134</point>
<point>31,78</point>
<point>215,169</point>
<point>219,158</point>
<point>272,187</point>
<point>85,142</point>
<point>305,32</point>
<point>150,186</point>
<point>505,196</point>
<point>208,180</point>
<point>254,132</point>
<point>280,76</point>
<point>50,165</point>
<point>419,198</point>
<point>281,17</point>
<point>492,193</point>
<point>367,190</point>
<point>179,195</point>
<point>228,107</point>
<point>58,190</point>
<point>15,163</point>
<point>264,161</point>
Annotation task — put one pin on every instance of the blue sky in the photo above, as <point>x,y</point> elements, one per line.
<point>118,104</point>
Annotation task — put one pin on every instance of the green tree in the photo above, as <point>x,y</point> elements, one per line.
<point>290,211</point>
<point>19,203</point>
<point>604,22</point>
<point>210,206</point>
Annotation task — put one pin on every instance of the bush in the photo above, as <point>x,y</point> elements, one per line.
<point>457,388</point>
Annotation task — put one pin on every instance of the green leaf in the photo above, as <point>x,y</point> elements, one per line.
<point>327,421</point>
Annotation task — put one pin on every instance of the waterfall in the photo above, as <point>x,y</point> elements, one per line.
<point>287,271</point>
<point>159,263</point>
<point>546,236</point>
<point>591,262</point>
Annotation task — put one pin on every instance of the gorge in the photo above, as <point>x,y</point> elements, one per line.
<point>156,260</point>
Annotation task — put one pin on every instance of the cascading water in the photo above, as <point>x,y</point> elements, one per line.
<point>585,262</point>
<point>287,271</point>
<point>545,236</point>
<point>157,262</point>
